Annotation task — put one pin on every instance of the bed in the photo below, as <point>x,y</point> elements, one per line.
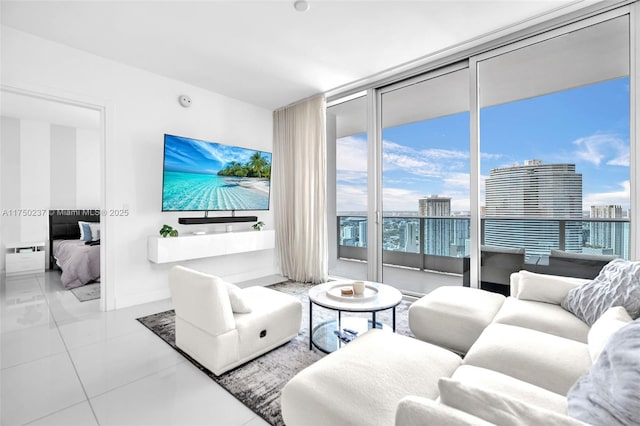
<point>74,246</point>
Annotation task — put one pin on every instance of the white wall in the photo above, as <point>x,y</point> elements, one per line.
<point>143,106</point>
<point>54,167</point>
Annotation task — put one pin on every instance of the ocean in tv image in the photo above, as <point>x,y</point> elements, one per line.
<point>200,175</point>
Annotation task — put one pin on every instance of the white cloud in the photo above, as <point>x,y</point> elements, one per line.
<point>352,177</point>
<point>351,198</point>
<point>457,180</point>
<point>599,148</point>
<point>399,199</point>
<point>351,154</point>
<point>487,156</point>
<point>620,197</point>
<point>444,154</point>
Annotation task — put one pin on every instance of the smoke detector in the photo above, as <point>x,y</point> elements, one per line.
<point>301,5</point>
<point>185,101</point>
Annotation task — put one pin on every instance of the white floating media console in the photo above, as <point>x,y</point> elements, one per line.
<point>185,247</point>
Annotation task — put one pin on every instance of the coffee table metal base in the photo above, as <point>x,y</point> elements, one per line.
<point>322,336</point>
<point>325,339</point>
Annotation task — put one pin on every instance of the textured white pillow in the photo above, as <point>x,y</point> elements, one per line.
<point>95,231</point>
<point>497,408</point>
<point>238,304</point>
<point>611,321</point>
<point>544,288</point>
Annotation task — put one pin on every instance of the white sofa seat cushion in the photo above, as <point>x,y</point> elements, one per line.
<point>362,383</point>
<point>545,317</point>
<point>498,408</point>
<point>453,317</point>
<point>498,382</point>
<point>551,362</point>
<point>414,410</point>
<point>275,314</point>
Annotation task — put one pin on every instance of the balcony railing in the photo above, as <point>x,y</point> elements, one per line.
<point>442,243</point>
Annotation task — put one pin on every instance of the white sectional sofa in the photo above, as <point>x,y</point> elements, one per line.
<point>521,355</point>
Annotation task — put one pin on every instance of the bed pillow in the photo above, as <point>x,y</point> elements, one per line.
<point>85,231</point>
<point>95,231</point>
<point>238,304</point>
<point>611,321</point>
<point>610,393</point>
<point>618,284</point>
<point>543,288</point>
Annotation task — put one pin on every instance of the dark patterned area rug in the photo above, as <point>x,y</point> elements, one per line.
<point>257,384</point>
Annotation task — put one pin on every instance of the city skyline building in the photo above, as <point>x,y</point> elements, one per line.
<point>434,206</point>
<point>534,197</point>
<point>608,237</point>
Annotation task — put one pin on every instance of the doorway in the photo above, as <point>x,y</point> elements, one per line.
<point>53,158</point>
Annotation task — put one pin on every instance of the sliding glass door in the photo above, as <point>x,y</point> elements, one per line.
<point>519,157</point>
<point>554,143</point>
<point>348,146</point>
<point>425,180</point>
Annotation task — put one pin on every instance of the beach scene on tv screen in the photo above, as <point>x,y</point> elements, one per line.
<point>201,175</point>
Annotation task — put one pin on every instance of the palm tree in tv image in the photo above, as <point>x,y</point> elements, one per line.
<point>258,164</point>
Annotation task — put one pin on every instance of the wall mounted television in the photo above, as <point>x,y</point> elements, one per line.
<point>208,176</point>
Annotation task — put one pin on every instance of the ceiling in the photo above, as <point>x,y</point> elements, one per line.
<point>265,52</point>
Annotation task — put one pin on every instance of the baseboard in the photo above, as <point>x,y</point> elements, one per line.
<point>141,298</point>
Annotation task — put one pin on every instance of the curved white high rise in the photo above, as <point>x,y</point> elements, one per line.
<point>520,194</point>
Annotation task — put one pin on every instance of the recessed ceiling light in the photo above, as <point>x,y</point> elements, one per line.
<point>301,5</point>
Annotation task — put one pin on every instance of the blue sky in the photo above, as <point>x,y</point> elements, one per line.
<point>587,126</point>
<point>194,156</point>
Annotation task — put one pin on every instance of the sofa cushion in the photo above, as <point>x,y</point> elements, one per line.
<point>611,321</point>
<point>618,284</point>
<point>363,382</point>
<point>275,313</point>
<point>544,317</point>
<point>543,288</point>
<point>610,393</point>
<point>498,382</point>
<point>414,410</point>
<point>496,407</point>
<point>238,303</point>
<point>453,317</point>
<point>551,362</point>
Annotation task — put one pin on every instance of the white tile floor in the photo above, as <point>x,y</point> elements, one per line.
<point>63,362</point>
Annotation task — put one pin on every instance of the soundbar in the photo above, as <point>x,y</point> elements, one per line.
<point>219,219</point>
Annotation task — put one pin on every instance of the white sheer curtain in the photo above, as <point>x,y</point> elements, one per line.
<point>299,191</point>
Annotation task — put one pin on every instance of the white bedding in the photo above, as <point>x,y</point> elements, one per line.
<point>79,262</point>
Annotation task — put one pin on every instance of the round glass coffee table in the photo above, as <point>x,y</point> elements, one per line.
<point>332,334</point>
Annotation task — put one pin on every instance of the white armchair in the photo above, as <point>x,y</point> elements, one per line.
<point>222,326</point>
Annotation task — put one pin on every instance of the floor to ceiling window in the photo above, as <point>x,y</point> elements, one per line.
<point>347,133</point>
<point>554,144</point>
<point>501,161</point>
<point>425,180</point>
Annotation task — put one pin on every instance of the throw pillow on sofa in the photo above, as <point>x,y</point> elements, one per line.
<point>610,393</point>
<point>543,288</point>
<point>238,304</point>
<point>618,284</point>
